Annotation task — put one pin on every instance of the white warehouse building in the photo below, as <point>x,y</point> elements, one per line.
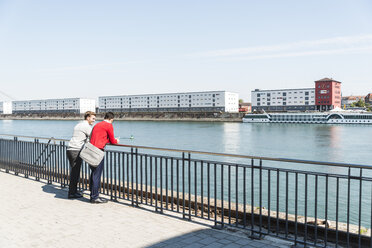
<point>284,99</point>
<point>64,105</point>
<point>207,101</point>
<point>5,108</point>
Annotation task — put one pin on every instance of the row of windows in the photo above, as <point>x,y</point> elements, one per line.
<point>157,106</point>
<point>159,97</point>
<point>284,93</point>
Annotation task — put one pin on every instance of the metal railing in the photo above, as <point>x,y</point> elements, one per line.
<point>310,203</point>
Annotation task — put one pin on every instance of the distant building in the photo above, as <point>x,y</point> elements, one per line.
<point>368,98</point>
<point>5,108</point>
<point>284,99</point>
<point>325,96</point>
<point>64,105</point>
<point>245,107</point>
<point>207,101</point>
<point>346,101</point>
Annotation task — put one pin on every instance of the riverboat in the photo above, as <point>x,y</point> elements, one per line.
<point>310,118</point>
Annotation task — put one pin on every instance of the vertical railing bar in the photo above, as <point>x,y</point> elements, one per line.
<point>118,185</point>
<point>202,188</point>
<point>161,184</point>
<point>260,199</point>
<point>189,182</point>
<point>136,151</point>
<point>209,196</point>
<point>156,184</point>
<point>337,200</point>
<point>132,174</point>
<point>178,185</point>
<point>146,179</point>
<point>306,181</point>
<point>348,206</point>
<point>252,196</point>
<point>183,185</point>
<point>286,204</point>
<point>111,175</point>
<point>316,211</point>
<point>229,192</point>
<point>370,234</point>
<point>196,188</point>
<point>277,201</point>
<point>236,195</point>
<point>245,196</point>
<point>141,165</point>
<point>166,184</point>
<point>172,182</point>
<point>215,194</point>
<point>360,208</point>
<point>268,201</point>
<point>326,214</point>
<point>128,188</point>
<point>222,198</point>
<point>296,208</point>
<point>102,186</point>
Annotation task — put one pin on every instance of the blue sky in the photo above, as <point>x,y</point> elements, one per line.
<point>53,49</point>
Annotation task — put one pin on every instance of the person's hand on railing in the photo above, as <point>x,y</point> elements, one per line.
<point>118,139</point>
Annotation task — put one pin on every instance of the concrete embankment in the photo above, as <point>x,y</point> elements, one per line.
<point>155,116</point>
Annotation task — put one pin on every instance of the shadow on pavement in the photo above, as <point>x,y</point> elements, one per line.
<point>210,238</point>
<point>60,193</point>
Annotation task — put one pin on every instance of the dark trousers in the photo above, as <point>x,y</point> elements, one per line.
<point>75,164</point>
<point>95,180</point>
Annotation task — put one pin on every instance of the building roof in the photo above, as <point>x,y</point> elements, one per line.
<point>352,97</point>
<point>258,90</point>
<point>327,80</point>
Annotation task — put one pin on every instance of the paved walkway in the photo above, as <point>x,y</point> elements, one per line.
<point>34,214</point>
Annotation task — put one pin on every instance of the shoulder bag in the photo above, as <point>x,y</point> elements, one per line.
<point>91,154</point>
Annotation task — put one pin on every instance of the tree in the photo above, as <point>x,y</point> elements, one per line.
<point>359,104</point>
<point>241,101</point>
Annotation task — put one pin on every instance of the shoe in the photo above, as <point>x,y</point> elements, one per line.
<point>98,200</point>
<point>75,196</point>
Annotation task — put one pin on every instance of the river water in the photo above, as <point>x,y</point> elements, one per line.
<point>332,143</point>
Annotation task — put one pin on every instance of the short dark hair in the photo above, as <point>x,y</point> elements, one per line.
<point>88,114</point>
<point>109,116</point>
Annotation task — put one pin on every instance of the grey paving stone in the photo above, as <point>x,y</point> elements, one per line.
<point>232,238</point>
<point>257,244</point>
<point>208,240</point>
<point>233,246</point>
<point>202,235</point>
<point>214,245</point>
<point>176,245</point>
<point>195,245</point>
<point>224,241</point>
<point>191,240</point>
<point>243,241</point>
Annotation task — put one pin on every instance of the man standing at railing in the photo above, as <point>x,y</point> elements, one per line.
<point>102,134</point>
<point>79,137</point>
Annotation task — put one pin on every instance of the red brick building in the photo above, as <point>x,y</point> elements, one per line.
<point>327,94</point>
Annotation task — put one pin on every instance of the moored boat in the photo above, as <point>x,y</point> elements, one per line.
<point>310,118</point>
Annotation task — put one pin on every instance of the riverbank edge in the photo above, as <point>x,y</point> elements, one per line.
<point>78,118</point>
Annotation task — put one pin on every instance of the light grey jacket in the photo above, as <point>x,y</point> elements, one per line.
<point>80,136</point>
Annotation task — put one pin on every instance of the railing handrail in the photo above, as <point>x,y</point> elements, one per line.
<point>289,160</point>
